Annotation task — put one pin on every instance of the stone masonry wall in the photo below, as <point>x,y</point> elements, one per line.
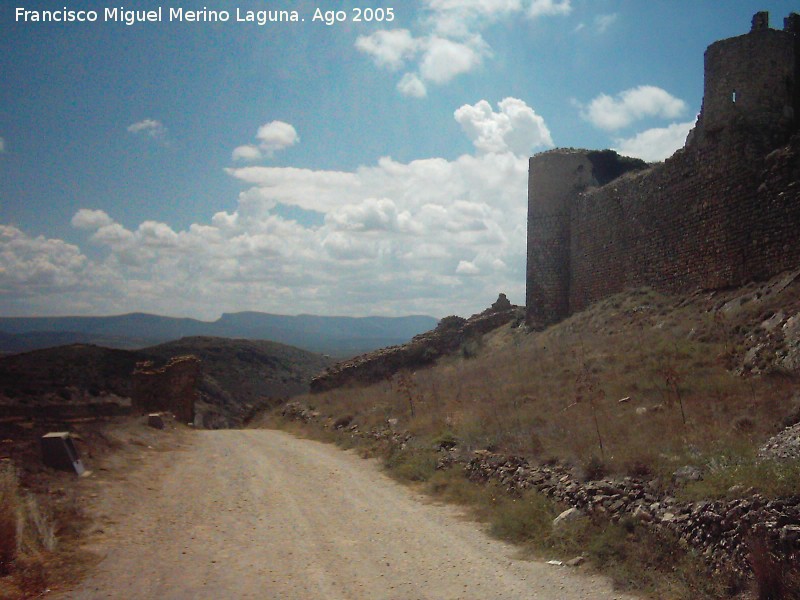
<point>172,387</point>
<point>706,218</point>
<point>721,212</point>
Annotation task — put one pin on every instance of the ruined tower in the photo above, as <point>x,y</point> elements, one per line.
<point>555,178</point>
<point>700,219</point>
<point>752,83</point>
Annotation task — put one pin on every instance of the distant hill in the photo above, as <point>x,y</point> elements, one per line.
<point>237,375</point>
<point>339,336</point>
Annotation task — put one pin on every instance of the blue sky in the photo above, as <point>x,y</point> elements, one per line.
<point>360,168</point>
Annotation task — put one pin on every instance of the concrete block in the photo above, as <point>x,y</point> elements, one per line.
<point>59,452</point>
<point>155,420</point>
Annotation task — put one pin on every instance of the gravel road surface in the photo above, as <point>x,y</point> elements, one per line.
<point>262,514</point>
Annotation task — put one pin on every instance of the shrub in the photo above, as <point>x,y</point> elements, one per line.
<point>523,519</point>
<point>411,465</point>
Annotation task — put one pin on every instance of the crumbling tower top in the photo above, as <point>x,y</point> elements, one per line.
<point>752,85</point>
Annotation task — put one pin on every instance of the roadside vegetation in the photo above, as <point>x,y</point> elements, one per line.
<point>639,385</point>
<point>27,536</point>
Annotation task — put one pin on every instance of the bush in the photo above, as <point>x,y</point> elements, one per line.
<point>524,519</point>
<point>411,465</point>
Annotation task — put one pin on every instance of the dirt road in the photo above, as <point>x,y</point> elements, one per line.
<point>261,514</point>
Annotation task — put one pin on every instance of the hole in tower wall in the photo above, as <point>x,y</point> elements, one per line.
<point>733,96</point>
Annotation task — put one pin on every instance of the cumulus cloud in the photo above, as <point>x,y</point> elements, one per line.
<point>655,144</point>
<point>37,265</point>
<point>411,85</point>
<point>515,128</point>
<point>90,219</point>
<point>389,48</point>
<point>450,43</point>
<point>429,236</point>
<point>445,59</point>
<point>148,127</point>
<point>248,152</point>
<point>272,137</point>
<point>613,113</point>
<point>276,135</point>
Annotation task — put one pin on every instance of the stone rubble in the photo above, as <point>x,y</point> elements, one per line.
<point>783,446</point>
<point>718,530</point>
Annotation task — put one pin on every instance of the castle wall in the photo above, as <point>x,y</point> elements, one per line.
<point>554,178</point>
<point>721,212</point>
<point>700,220</point>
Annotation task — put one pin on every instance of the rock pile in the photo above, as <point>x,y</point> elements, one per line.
<point>718,530</point>
<point>783,446</point>
<point>423,349</point>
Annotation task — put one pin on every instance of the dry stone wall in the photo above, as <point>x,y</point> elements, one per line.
<point>719,530</point>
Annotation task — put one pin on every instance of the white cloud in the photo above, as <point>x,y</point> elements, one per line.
<point>276,135</point>
<point>411,85</point>
<point>370,215</point>
<point>149,127</point>
<point>466,267</point>
<point>90,219</point>
<point>389,48</point>
<point>445,59</point>
<point>37,265</point>
<point>272,137</point>
<point>655,144</point>
<point>248,152</point>
<point>428,236</point>
<point>515,128</point>
<point>450,43</point>
<point>549,8</point>
<point>632,105</point>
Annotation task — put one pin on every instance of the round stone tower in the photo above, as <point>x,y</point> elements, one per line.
<point>752,83</point>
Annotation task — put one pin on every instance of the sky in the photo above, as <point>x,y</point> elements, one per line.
<point>361,158</point>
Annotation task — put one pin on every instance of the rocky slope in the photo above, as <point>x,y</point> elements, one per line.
<point>450,335</point>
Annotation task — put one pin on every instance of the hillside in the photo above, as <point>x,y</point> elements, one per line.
<point>339,336</point>
<point>81,379</point>
<point>676,416</point>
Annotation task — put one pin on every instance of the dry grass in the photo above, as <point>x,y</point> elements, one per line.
<point>640,384</point>
<point>27,535</point>
<point>556,394</point>
<point>9,517</point>
<point>636,559</point>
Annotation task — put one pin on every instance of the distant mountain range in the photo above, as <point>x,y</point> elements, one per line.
<point>337,336</point>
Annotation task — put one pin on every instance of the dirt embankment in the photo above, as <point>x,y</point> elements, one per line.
<point>261,514</point>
